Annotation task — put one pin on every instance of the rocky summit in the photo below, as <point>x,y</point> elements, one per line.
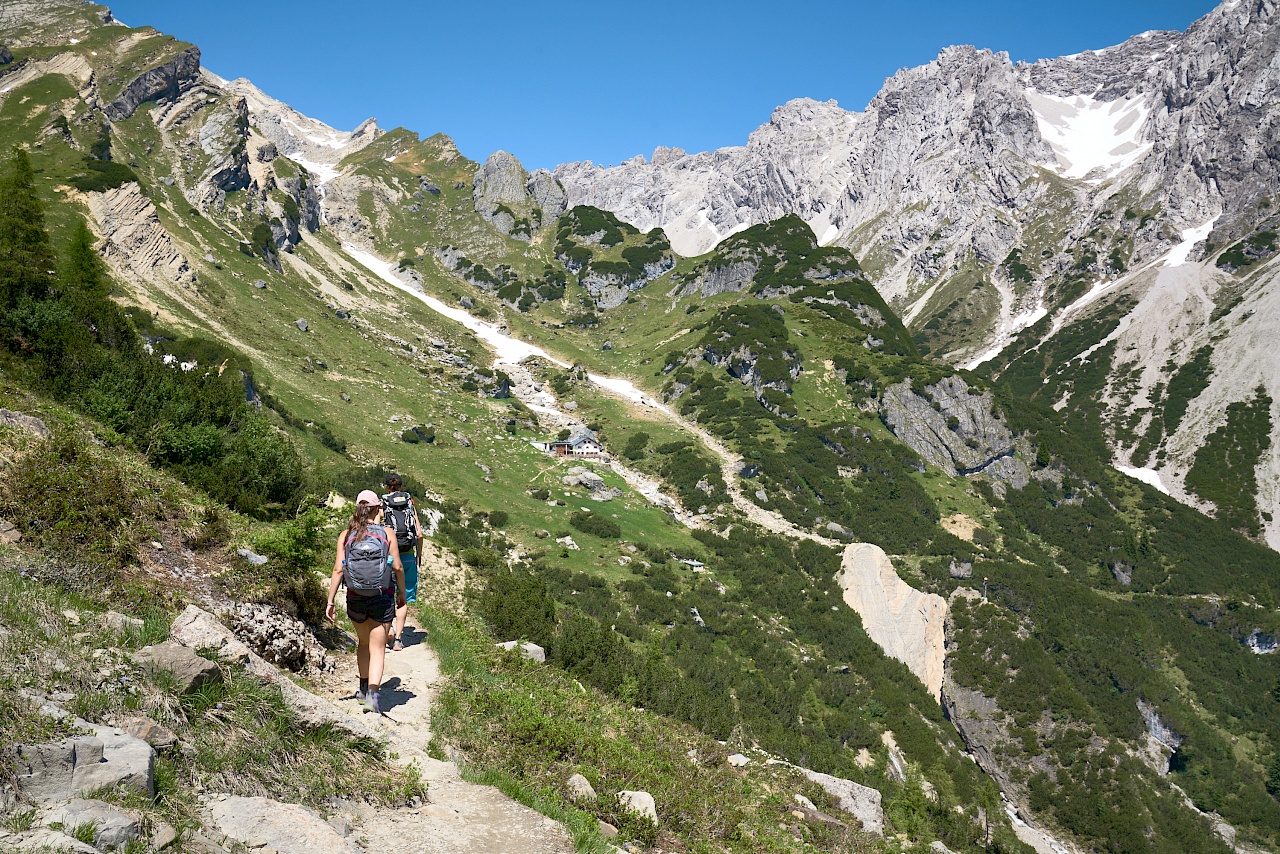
<point>900,478</point>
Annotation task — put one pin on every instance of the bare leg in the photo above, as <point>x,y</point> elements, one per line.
<point>362,649</point>
<point>377,647</point>
<point>402,614</point>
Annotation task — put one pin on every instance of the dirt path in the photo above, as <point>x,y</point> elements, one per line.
<point>461,817</point>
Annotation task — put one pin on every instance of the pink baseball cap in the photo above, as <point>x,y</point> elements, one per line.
<point>368,497</point>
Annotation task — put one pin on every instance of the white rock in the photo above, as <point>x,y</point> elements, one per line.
<point>906,623</point>
<point>640,803</point>
<point>286,828</point>
<point>862,802</point>
<point>531,651</point>
<point>58,771</point>
<point>737,760</point>
<point>199,629</point>
<point>118,622</point>
<point>580,788</point>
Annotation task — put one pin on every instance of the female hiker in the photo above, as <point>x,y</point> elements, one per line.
<point>375,588</point>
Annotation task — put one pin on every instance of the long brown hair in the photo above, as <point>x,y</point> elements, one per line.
<point>362,518</point>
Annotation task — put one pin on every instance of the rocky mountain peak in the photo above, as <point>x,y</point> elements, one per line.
<point>301,138</point>
<point>514,201</point>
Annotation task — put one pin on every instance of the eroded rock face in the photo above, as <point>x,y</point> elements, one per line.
<point>499,193</point>
<point>906,623</point>
<point>59,771</point>
<point>547,193</point>
<point>137,247</point>
<point>955,429</point>
<point>861,802</point>
<point>164,81</point>
<point>280,639</point>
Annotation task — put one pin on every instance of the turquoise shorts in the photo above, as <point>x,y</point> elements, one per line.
<point>410,564</point>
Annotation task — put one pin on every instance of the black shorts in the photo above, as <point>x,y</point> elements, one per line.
<point>381,608</point>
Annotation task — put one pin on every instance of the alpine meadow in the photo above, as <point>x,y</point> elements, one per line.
<point>902,480</point>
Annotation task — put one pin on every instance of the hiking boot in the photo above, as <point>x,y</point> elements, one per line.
<point>398,646</point>
<point>371,702</point>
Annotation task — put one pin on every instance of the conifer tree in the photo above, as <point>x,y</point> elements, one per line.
<point>82,270</point>
<point>26,255</point>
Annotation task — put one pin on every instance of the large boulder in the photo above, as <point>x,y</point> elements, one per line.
<point>190,672</point>
<point>529,650</point>
<point>285,828</point>
<point>580,788</point>
<point>22,421</point>
<point>107,757</point>
<point>113,827</point>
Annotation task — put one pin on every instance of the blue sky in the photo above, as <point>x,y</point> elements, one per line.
<point>573,80</point>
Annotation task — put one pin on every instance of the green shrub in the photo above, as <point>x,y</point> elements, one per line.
<point>102,175</point>
<point>635,446</point>
<point>77,502</point>
<point>598,526</point>
<point>299,552</point>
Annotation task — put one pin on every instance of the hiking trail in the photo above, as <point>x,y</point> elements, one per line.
<point>459,817</point>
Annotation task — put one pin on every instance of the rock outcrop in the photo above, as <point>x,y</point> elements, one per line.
<point>189,671</point>
<point>200,630</point>
<point>513,201</point>
<point>105,757</point>
<point>113,827</point>
<point>137,248</point>
<point>163,81</point>
<point>284,828</point>
<point>955,429</point>
<point>300,138</point>
<point>861,802</point>
<point>906,623</point>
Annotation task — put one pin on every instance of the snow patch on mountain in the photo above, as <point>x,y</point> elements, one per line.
<point>1010,329</point>
<point>1151,477</point>
<point>1093,140</point>
<point>1179,254</point>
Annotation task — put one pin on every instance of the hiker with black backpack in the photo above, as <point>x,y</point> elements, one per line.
<point>400,514</point>
<point>368,563</point>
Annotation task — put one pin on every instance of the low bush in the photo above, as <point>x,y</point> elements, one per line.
<point>102,175</point>
<point>598,526</point>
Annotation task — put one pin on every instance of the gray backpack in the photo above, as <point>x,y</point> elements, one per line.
<point>365,570</point>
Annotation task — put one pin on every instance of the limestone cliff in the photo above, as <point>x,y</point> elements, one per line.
<point>905,622</point>
<point>164,81</point>
<point>136,246</point>
<point>513,201</point>
<point>956,429</point>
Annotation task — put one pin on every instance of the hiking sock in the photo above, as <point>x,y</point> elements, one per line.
<point>364,689</point>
